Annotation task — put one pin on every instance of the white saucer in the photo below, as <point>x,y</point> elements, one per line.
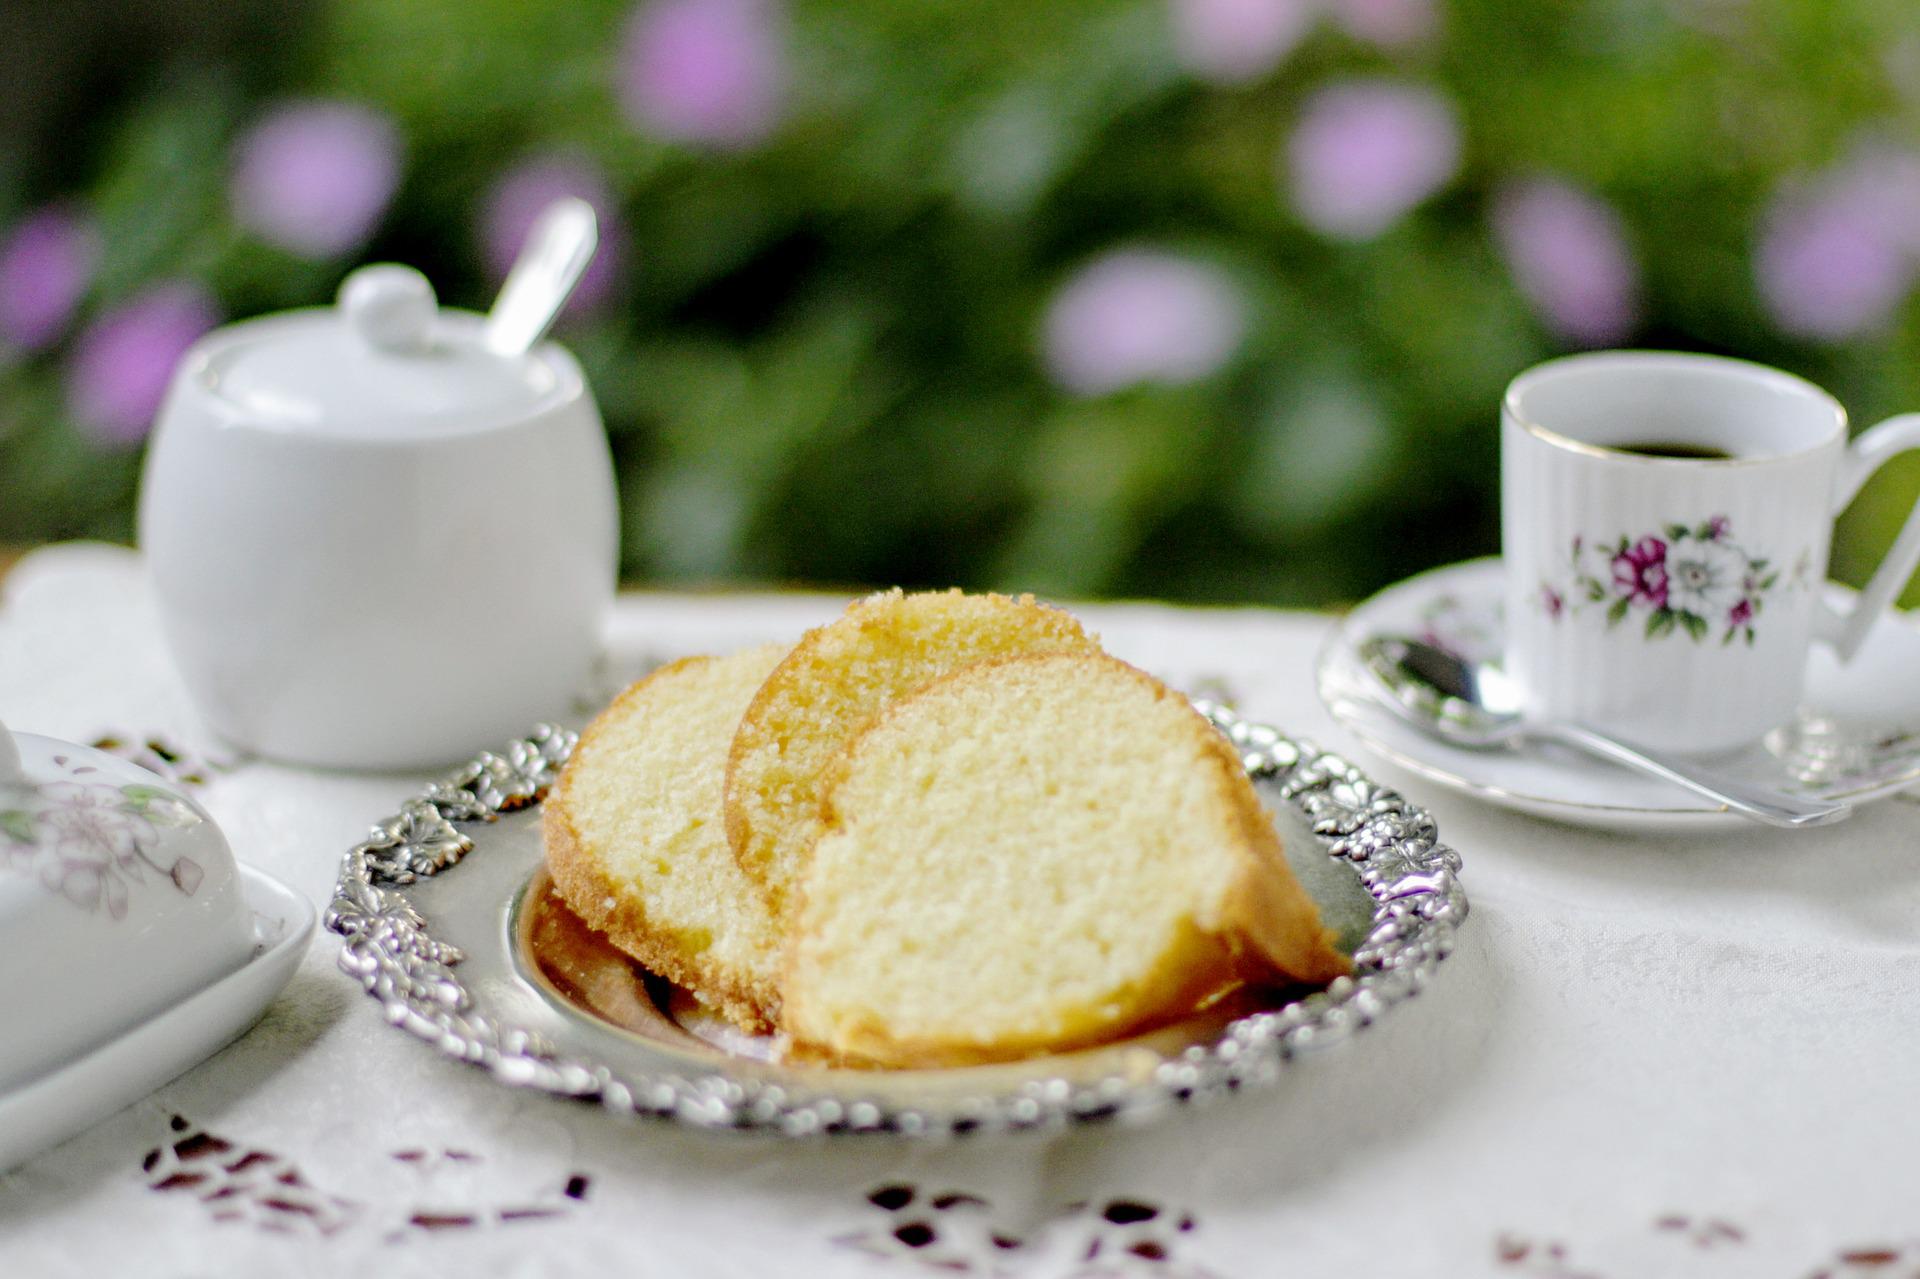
<point>1856,736</point>
<point>63,1102</point>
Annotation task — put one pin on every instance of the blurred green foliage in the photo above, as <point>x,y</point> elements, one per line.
<point>820,364</point>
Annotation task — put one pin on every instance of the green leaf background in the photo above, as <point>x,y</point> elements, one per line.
<point>820,366</point>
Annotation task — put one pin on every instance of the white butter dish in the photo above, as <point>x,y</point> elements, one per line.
<point>135,944</point>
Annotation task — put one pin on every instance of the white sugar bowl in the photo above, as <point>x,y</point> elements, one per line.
<point>379,536</point>
<point>118,898</point>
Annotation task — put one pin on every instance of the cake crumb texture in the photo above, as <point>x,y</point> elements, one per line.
<point>1032,854</point>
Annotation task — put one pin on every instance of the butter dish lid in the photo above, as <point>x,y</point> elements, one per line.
<point>119,896</point>
<point>386,359</point>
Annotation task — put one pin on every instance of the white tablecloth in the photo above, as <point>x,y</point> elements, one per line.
<point>1646,1057</point>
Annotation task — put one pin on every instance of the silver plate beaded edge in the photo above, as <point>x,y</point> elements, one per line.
<point>1392,846</point>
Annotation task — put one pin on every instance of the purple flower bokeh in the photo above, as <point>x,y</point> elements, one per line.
<point>1233,41</point>
<point>518,198</point>
<point>1140,315</point>
<point>1367,151</point>
<point>45,266</point>
<point>123,361</point>
<point>1389,24</point>
<point>1883,181</point>
<point>1826,267</point>
<point>1838,253</point>
<point>314,177</point>
<point>1568,253</point>
<point>707,72</point>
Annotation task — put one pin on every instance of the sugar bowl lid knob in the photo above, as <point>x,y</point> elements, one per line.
<point>391,307</point>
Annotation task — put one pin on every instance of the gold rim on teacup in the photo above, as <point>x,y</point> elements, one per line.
<point>1696,362</point>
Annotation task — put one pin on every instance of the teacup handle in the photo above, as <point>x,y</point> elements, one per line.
<point>1873,449</point>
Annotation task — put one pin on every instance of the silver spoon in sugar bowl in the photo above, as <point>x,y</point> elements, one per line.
<point>1475,705</point>
<point>557,252</point>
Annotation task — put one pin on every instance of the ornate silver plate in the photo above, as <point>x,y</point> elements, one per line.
<point>441,939</point>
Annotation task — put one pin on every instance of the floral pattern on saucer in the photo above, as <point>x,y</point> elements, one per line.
<point>90,841</point>
<point>1693,580</point>
<point>1474,629</point>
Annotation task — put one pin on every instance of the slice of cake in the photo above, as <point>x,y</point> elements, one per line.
<point>833,682</point>
<point>637,846</point>
<point>1034,854</point>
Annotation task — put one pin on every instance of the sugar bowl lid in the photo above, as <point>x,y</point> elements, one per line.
<point>385,359</point>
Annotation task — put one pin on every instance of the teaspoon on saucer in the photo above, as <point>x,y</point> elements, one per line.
<point>1473,704</point>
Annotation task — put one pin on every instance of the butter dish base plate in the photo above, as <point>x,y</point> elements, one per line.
<point>65,1101</point>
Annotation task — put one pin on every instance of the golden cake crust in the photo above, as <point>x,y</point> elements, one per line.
<point>832,682</point>
<point>580,847</point>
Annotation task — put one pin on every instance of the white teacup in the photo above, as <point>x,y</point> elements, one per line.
<point>1665,520</point>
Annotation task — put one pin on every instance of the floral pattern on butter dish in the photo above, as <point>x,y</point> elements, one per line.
<point>1692,580</point>
<point>90,842</point>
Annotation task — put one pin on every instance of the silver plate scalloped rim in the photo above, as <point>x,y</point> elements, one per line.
<point>388,946</point>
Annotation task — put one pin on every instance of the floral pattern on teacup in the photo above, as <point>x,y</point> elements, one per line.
<point>1686,579</point>
<point>89,842</point>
